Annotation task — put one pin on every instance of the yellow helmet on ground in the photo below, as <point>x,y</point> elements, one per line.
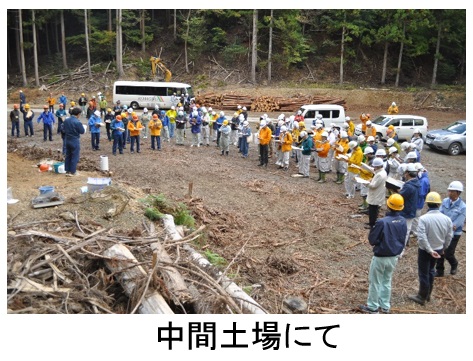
<point>395,202</point>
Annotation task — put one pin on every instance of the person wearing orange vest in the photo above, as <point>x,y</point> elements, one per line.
<point>264,137</point>
<point>51,101</point>
<point>285,140</point>
<point>364,118</point>
<point>354,162</point>
<point>323,163</point>
<point>370,130</point>
<point>155,125</point>
<point>341,149</point>
<point>393,109</point>
<point>135,128</point>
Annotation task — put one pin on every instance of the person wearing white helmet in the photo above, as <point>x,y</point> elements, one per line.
<point>195,120</point>
<point>264,136</point>
<point>234,123</point>
<point>213,118</point>
<point>367,175</point>
<point>145,118</point>
<point>340,150</point>
<point>285,143</point>
<point>376,191</point>
<point>371,142</point>
<point>299,117</point>
<point>245,135</point>
<point>410,192</point>
<point>323,164</point>
<point>244,111</point>
<point>181,121</point>
<point>304,160</point>
<point>354,162</point>
<point>350,127</point>
<point>424,182</point>
<point>454,208</point>
<point>296,153</point>
<point>394,161</point>
<point>218,124</point>
<point>95,123</point>
<point>205,135</point>
<point>411,157</point>
<point>417,140</point>
<point>172,114</point>
<point>393,109</point>
<point>370,130</point>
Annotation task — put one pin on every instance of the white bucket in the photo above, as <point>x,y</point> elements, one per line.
<point>61,169</point>
<point>103,163</point>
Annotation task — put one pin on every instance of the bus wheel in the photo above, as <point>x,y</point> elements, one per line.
<point>134,105</point>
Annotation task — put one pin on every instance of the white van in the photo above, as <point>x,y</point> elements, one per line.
<point>141,94</point>
<point>331,113</point>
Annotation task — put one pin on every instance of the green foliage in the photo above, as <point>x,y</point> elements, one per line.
<point>197,36</point>
<point>234,52</point>
<point>214,258</point>
<point>182,216</point>
<point>218,39</point>
<point>153,214</point>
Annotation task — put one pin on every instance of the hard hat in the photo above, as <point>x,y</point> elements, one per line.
<point>135,117</point>
<point>118,117</point>
<point>395,202</point>
<point>455,186</point>
<point>225,122</point>
<point>43,167</point>
<point>125,107</point>
<point>73,103</point>
<point>265,116</point>
<point>245,123</point>
<point>155,116</point>
<point>412,146</point>
<point>280,123</point>
<point>130,110</point>
<point>93,96</point>
<point>390,142</point>
<point>380,152</point>
<point>180,113</point>
<point>416,131</point>
<point>368,123</point>
<point>404,145</point>
<point>377,162</point>
<point>319,116</point>
<point>239,107</point>
<point>419,166</point>
<point>393,104</point>
<point>222,114</point>
<point>302,125</point>
<point>203,109</point>
<point>324,134</point>
<point>83,94</point>
<point>156,107</point>
<point>15,106</point>
<point>174,108</point>
<point>433,197</point>
<point>292,117</point>
<point>109,109</point>
<point>210,109</point>
<point>343,134</point>
<point>411,155</point>
<point>213,112</point>
<point>145,110</point>
<point>361,138</point>
<point>391,127</point>
<point>27,106</point>
<point>303,134</point>
<point>352,144</point>
<point>368,150</point>
<point>411,167</point>
<point>392,150</point>
<point>296,125</point>
<point>263,123</point>
<point>299,112</point>
<point>97,113</point>
<point>281,117</point>
<point>347,119</point>
<point>318,126</point>
<point>370,139</point>
<point>283,128</point>
<point>241,117</point>
<point>345,125</point>
<point>244,108</point>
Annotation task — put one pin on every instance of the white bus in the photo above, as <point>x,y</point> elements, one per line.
<point>141,94</point>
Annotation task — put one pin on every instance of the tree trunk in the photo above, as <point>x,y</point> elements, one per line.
<point>119,50</point>
<point>17,43</point>
<point>35,49</point>
<point>109,13</point>
<point>185,40</point>
<point>398,72</point>
<point>270,46</point>
<point>175,25</point>
<point>342,53</point>
<point>142,28</point>
<point>63,41</point>
<point>385,63</point>
<point>87,48</point>
<point>254,44</point>
<point>437,56</point>
<point>48,48</point>
<point>56,36</point>
<point>22,49</point>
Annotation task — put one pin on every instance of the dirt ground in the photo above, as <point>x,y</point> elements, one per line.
<point>302,238</point>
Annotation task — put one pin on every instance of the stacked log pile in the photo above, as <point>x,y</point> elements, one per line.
<point>264,103</point>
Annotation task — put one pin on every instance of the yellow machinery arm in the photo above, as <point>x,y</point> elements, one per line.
<point>157,63</point>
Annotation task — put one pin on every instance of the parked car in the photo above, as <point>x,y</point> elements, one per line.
<point>404,125</point>
<point>451,139</point>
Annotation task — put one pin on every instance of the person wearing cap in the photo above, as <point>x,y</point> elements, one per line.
<point>264,136</point>
<point>51,101</point>
<point>354,162</point>
<point>417,140</point>
<point>95,122</point>
<point>93,101</point>
<point>387,238</point>
<point>28,116</point>
<point>370,130</point>
<point>235,126</point>
<point>172,114</point>
<point>108,118</point>
<point>340,149</point>
<point>361,140</point>
<point>22,100</point>
<point>454,208</point>
<point>73,129</point>
<point>48,120</point>
<point>155,125</point>
<point>351,127</point>
<point>82,102</point>
<point>376,191</point>
<point>135,127</point>
<point>317,138</point>
<point>15,120</point>
<point>434,234</point>
<point>393,109</point>
<point>225,131</point>
<point>410,193</point>
<point>61,115</point>
<point>118,128</point>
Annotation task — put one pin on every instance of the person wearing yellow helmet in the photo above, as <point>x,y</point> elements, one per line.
<point>387,238</point>
<point>28,115</point>
<point>73,104</point>
<point>83,103</point>
<point>225,131</point>
<point>434,233</point>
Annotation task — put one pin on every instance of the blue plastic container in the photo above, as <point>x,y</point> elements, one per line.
<point>46,189</point>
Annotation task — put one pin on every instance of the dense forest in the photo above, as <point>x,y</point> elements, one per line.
<point>386,47</point>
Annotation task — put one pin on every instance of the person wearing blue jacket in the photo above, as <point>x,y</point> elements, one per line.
<point>95,122</point>
<point>118,129</point>
<point>165,121</point>
<point>453,207</point>
<point>387,237</point>
<point>73,128</point>
<point>63,100</point>
<point>48,120</point>
<point>424,189</point>
<point>61,115</point>
<point>410,193</point>
<point>195,121</point>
